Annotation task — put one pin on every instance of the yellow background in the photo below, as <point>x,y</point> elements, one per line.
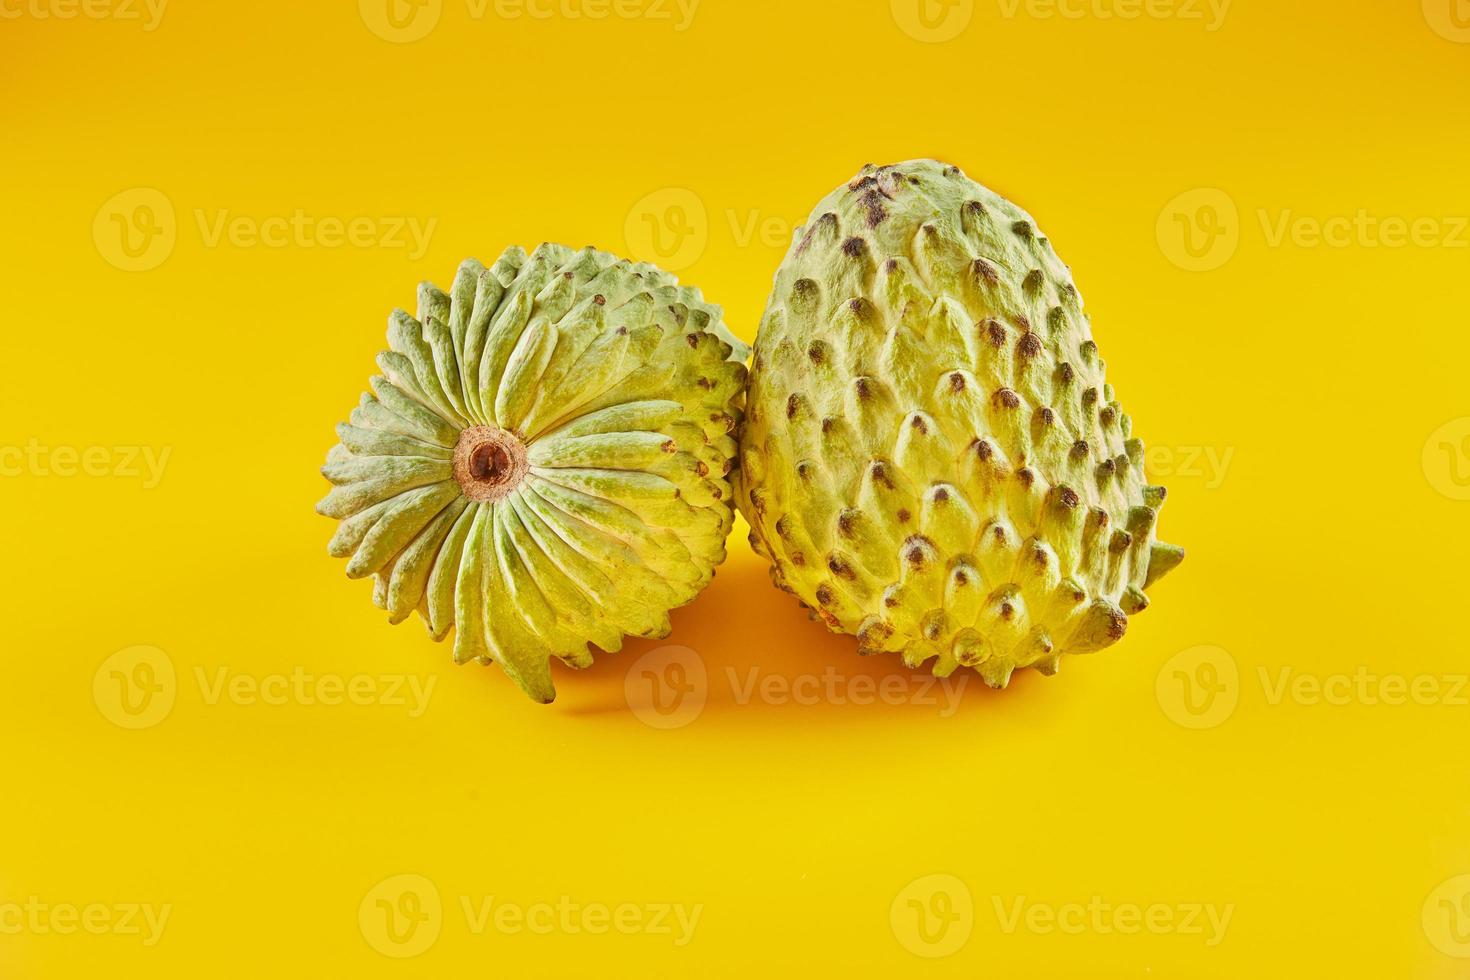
<point>1333,541</point>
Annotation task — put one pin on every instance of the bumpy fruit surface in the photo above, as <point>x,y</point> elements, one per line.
<point>543,461</point>
<point>931,458</point>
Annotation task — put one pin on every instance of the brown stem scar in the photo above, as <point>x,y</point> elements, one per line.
<point>489,462</point>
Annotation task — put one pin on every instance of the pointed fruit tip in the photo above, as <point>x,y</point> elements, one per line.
<point>1162,559</point>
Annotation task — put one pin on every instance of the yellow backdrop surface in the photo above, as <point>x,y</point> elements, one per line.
<point>220,760</point>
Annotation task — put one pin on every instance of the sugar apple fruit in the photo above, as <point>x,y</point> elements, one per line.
<point>931,458</point>
<point>543,461</point>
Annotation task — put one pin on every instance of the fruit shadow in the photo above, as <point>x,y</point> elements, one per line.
<point>744,649</point>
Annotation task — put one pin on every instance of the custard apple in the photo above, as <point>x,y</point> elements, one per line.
<point>931,458</point>
<point>543,461</point>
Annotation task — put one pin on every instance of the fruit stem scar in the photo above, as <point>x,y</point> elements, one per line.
<point>489,462</point>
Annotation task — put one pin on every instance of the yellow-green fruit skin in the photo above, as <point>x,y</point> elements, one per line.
<point>931,457</point>
<point>543,461</point>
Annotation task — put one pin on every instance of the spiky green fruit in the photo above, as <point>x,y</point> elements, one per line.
<point>931,457</point>
<point>543,461</point>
